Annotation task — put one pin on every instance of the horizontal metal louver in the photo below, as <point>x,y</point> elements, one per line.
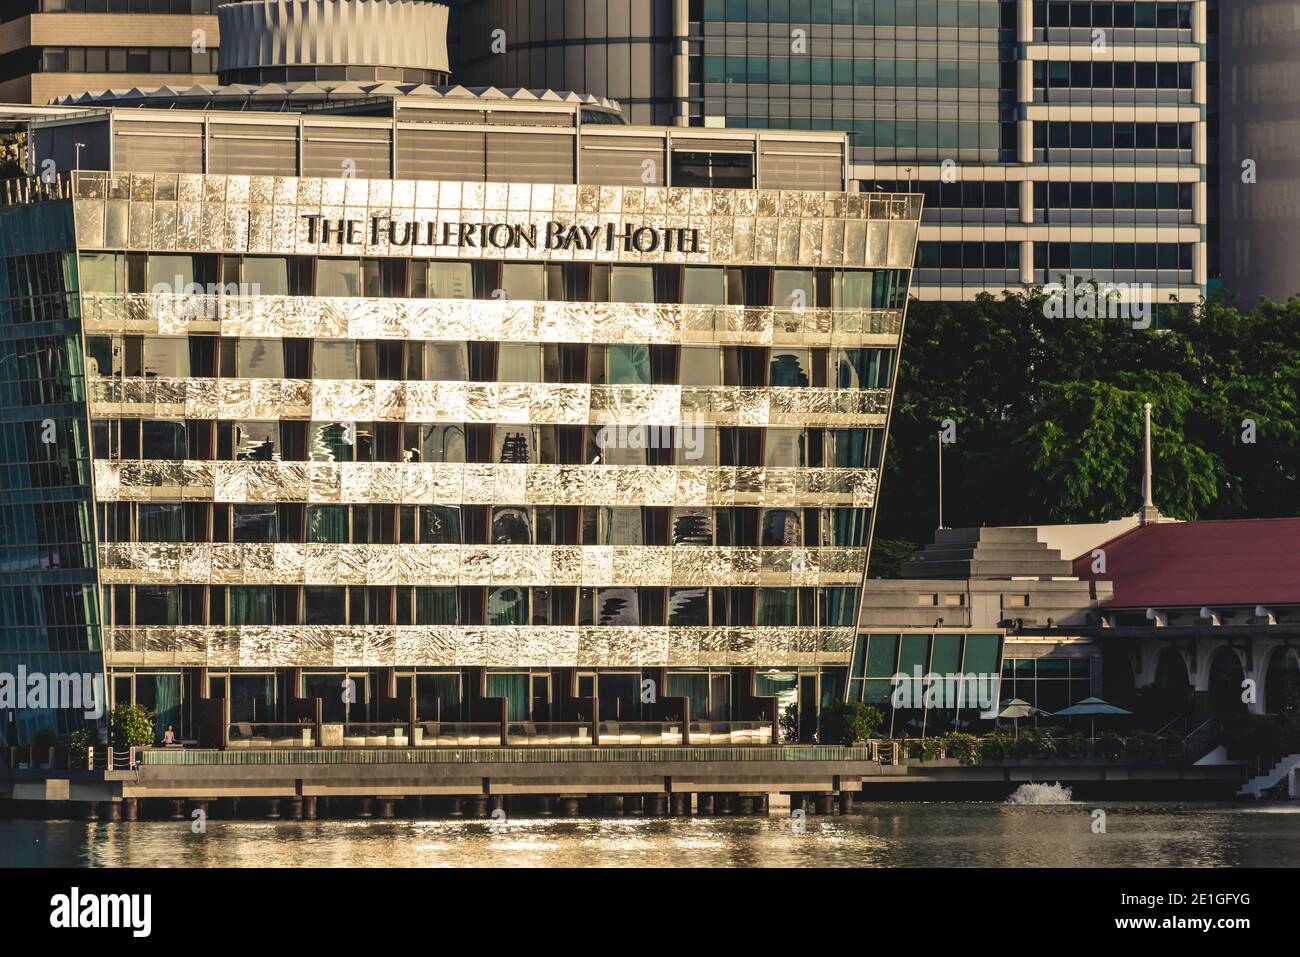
<point>706,144</point>
<point>622,160</point>
<point>441,154</point>
<point>530,158</point>
<point>795,165</point>
<point>253,149</point>
<point>344,151</point>
<point>158,147</point>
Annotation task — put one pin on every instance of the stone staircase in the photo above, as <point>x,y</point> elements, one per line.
<point>1288,768</point>
<point>987,553</point>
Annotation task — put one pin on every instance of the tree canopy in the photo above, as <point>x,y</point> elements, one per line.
<point>1048,416</point>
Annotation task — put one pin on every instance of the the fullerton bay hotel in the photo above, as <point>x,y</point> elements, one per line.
<point>480,398</point>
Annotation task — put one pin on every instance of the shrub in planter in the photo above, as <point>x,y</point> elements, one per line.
<point>1144,746</point>
<point>845,722</point>
<point>131,726</point>
<point>1074,746</point>
<point>964,747</point>
<point>1110,746</point>
<point>931,748</point>
<point>995,747</point>
<point>1036,743</point>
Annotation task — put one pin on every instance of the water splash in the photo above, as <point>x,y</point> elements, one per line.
<point>1040,794</point>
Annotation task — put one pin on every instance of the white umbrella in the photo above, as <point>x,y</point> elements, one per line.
<point>1015,709</point>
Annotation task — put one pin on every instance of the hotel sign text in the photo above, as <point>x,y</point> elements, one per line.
<point>610,237</point>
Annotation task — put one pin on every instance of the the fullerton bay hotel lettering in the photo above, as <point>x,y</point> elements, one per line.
<point>609,237</point>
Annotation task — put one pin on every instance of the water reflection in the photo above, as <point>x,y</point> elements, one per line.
<point>875,835</point>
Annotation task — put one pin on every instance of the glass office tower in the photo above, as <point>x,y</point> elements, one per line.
<point>1049,137</point>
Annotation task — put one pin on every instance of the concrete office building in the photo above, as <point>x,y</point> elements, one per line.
<point>50,48</point>
<point>1049,138</point>
<point>440,395</point>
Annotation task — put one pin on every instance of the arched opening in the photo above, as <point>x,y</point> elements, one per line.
<point>1282,682</point>
<point>1225,690</point>
<point>1170,696</point>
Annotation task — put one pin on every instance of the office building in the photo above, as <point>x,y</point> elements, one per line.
<point>1049,138</point>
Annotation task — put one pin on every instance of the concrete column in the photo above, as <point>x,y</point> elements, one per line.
<point>612,804</point>
<point>271,808</point>
<point>111,811</point>
<point>1024,21</point>
<point>384,807</point>
<point>544,807</point>
<point>1026,201</point>
<point>309,808</point>
<point>745,804</point>
<point>680,806</point>
<point>455,807</point>
<point>656,804</point>
<point>204,806</point>
<point>1027,261</point>
<point>365,808</point>
<point>724,804</point>
<point>797,803</point>
<point>176,809</point>
<point>826,802</point>
<point>634,804</point>
<point>846,802</point>
<point>130,809</point>
<point>761,804</point>
<point>497,802</point>
<point>570,806</point>
<point>704,805</point>
<point>478,806</point>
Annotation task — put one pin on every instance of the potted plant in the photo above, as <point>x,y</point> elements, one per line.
<point>131,726</point>
<point>79,745</point>
<point>848,722</point>
<point>1110,746</point>
<point>964,747</point>
<point>995,747</point>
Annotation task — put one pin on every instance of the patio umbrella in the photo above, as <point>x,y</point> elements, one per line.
<point>1091,707</point>
<point>1015,709</point>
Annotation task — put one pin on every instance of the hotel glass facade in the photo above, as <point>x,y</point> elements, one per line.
<point>458,439</point>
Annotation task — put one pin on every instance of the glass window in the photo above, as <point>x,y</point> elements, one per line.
<point>451,280</point>
<point>102,272</point>
<point>631,284</point>
<point>791,367</point>
<point>161,523</point>
<point>617,607</point>
<point>705,285</point>
<point>251,605</point>
<point>783,448</point>
<point>442,443</point>
<point>519,362</point>
<point>338,277</point>
<point>162,440</point>
<point>508,606</point>
<point>332,442</point>
<point>793,289</point>
<point>261,359</point>
<point>446,362</point>
<point>511,525</point>
<point>157,604</point>
<point>861,368</point>
<point>439,525</point>
<point>628,364</point>
<point>436,606</point>
<point>324,605</point>
<point>265,276</point>
<point>778,606</point>
<point>855,290</point>
<point>852,448</point>
<point>781,527</point>
<point>523,281</point>
<point>166,357</point>
<point>516,444</point>
<point>257,441</point>
<point>688,607</point>
<point>327,524</point>
<point>169,274</point>
<point>254,523</point>
<point>701,366</point>
<point>334,360</point>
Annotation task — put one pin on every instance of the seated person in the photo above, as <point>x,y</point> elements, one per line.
<point>169,738</point>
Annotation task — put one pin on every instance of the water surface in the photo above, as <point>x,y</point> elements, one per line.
<point>944,834</point>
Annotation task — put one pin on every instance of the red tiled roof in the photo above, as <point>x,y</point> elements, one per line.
<point>1182,564</point>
